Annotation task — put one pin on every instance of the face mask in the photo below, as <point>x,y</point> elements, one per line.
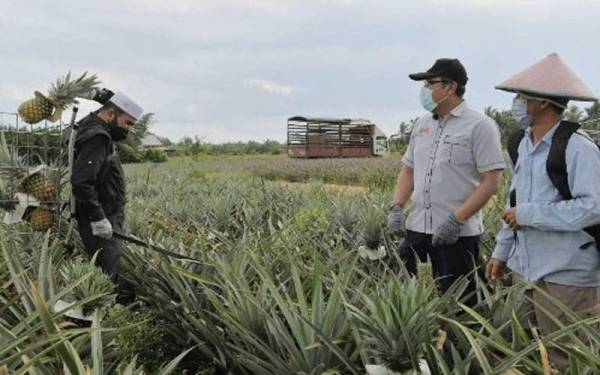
<point>118,133</point>
<point>519,113</point>
<point>426,97</point>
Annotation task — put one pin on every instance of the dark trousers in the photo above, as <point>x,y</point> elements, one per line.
<point>449,262</point>
<point>110,250</point>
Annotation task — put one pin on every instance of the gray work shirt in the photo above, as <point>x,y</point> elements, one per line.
<point>447,157</point>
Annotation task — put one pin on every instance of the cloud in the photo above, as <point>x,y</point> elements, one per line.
<point>270,87</point>
<point>237,69</point>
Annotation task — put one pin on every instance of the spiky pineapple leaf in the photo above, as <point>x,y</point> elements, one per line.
<point>65,90</point>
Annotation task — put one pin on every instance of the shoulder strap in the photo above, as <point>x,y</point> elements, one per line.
<point>512,145</point>
<point>556,164</point>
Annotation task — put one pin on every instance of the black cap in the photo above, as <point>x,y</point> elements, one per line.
<point>450,69</point>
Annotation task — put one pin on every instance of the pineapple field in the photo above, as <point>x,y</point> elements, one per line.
<point>280,283</point>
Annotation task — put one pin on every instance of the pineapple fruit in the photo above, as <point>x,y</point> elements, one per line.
<point>62,93</point>
<point>41,187</point>
<point>15,172</point>
<point>17,176</point>
<point>41,219</point>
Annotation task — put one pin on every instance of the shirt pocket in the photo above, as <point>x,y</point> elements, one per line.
<point>456,149</point>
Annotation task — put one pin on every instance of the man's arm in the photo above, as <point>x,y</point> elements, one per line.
<point>86,168</point>
<point>404,186</point>
<point>490,181</point>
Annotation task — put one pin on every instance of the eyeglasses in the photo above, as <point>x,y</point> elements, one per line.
<point>433,82</point>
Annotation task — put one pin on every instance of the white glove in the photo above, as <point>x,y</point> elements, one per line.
<point>102,228</point>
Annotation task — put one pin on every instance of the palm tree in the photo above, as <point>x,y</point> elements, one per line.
<point>574,113</point>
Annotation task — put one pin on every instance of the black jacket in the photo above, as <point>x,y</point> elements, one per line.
<point>98,180</point>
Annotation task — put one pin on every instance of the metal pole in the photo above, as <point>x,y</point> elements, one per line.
<point>156,248</point>
<point>71,156</point>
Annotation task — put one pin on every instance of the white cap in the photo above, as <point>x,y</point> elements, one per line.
<point>127,105</point>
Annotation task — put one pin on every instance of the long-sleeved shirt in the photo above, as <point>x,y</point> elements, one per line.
<point>547,247</point>
<point>448,156</point>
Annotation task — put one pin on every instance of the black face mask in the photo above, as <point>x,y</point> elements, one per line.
<point>117,132</point>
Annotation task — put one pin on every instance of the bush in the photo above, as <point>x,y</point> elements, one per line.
<point>128,154</point>
<point>155,156</point>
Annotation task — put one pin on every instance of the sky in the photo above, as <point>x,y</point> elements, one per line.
<point>233,70</point>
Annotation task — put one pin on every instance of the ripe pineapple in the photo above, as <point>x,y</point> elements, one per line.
<point>62,93</point>
<point>41,219</point>
<point>41,187</point>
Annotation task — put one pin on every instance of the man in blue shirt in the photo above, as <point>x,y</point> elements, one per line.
<point>543,240</point>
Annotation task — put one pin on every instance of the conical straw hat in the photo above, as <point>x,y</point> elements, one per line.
<point>549,77</point>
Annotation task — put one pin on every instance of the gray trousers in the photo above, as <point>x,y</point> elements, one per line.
<point>110,250</point>
<point>539,311</point>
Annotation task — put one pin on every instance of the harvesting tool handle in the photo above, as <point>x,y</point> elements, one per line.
<point>71,155</point>
<point>148,246</point>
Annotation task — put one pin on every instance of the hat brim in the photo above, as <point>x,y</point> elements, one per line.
<point>422,76</point>
<point>566,95</point>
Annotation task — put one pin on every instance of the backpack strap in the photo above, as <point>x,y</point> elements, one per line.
<point>512,147</point>
<point>556,164</point>
<point>556,167</point>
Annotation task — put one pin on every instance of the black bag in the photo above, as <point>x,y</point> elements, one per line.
<point>556,167</point>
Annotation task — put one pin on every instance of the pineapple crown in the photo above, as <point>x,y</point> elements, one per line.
<point>65,90</point>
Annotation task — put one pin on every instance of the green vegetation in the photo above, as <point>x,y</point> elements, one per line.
<point>278,288</point>
<point>196,146</point>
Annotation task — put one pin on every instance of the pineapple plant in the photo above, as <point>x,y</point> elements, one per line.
<point>372,235</point>
<point>61,94</point>
<point>95,284</point>
<point>14,171</point>
<point>7,201</point>
<point>41,218</point>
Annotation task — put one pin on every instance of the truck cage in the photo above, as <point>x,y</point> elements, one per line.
<point>317,137</point>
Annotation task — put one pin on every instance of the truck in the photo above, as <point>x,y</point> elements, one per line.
<point>319,137</point>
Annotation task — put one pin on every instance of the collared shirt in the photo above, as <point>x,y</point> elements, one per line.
<point>547,247</point>
<point>447,157</point>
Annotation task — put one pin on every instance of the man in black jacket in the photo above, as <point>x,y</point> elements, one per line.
<point>98,180</point>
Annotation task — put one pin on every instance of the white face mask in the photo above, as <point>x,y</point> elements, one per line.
<point>519,113</point>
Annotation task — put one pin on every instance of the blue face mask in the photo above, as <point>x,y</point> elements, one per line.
<point>426,97</point>
<point>519,113</point>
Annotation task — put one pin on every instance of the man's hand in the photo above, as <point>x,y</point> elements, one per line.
<point>102,228</point>
<point>396,222</point>
<point>510,218</point>
<point>448,232</point>
<point>495,269</point>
